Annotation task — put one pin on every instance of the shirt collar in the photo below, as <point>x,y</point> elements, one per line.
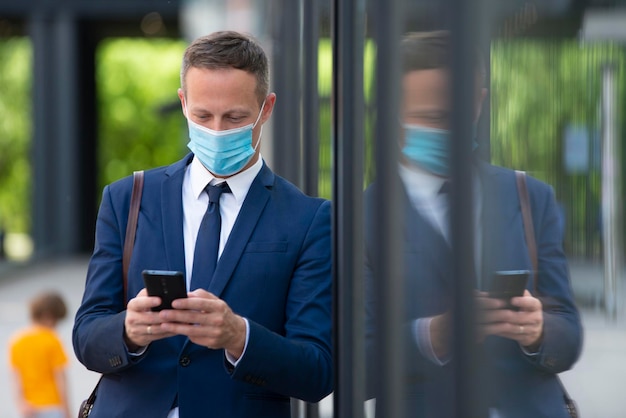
<point>239,184</point>
<point>419,182</point>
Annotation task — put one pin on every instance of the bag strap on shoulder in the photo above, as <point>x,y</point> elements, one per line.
<point>129,243</point>
<point>527,217</point>
<point>529,232</point>
<point>131,226</point>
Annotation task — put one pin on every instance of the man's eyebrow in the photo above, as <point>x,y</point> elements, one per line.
<point>428,112</point>
<point>233,111</point>
<point>237,111</point>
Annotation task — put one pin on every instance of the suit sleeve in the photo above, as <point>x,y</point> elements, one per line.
<point>298,363</point>
<point>99,324</point>
<point>562,336</point>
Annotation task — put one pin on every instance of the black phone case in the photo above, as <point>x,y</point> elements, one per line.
<point>508,284</point>
<point>168,285</point>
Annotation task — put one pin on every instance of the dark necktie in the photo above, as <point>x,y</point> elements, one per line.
<point>444,197</point>
<point>208,241</point>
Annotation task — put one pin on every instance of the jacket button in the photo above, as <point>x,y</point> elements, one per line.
<point>184,361</point>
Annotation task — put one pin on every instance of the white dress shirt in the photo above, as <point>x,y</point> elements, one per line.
<point>195,203</point>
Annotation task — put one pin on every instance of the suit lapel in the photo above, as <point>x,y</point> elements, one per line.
<point>172,214</point>
<point>423,238</point>
<point>249,215</point>
<point>500,211</point>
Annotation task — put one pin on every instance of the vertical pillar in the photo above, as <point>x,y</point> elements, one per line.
<point>63,145</point>
<point>287,140</point>
<point>463,46</point>
<point>348,106</point>
<point>611,191</point>
<point>65,99</point>
<point>389,284</point>
<point>44,199</point>
<point>310,97</point>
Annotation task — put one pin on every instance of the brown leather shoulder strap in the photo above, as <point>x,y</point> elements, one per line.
<point>131,226</point>
<point>529,231</point>
<point>527,217</point>
<point>129,243</point>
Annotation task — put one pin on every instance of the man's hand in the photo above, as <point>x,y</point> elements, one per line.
<point>207,321</point>
<point>142,325</point>
<point>524,326</point>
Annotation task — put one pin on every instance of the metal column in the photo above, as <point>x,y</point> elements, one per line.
<point>389,286</point>
<point>611,191</point>
<point>310,99</point>
<point>462,16</point>
<point>63,146</point>
<point>287,143</point>
<point>348,151</point>
<point>310,119</point>
<point>45,209</point>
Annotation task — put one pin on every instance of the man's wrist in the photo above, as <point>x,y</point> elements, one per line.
<point>236,349</point>
<point>239,347</point>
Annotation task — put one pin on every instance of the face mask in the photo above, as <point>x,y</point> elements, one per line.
<point>428,148</point>
<point>223,152</point>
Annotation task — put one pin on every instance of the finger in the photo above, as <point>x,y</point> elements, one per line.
<point>206,313</point>
<point>495,316</point>
<point>143,302</point>
<point>201,293</point>
<point>490,303</point>
<point>199,302</point>
<point>527,303</point>
<point>501,329</point>
<point>155,331</point>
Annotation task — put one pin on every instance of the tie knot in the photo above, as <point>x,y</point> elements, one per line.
<point>216,190</point>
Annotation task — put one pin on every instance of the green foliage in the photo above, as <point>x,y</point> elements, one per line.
<point>538,89</point>
<point>325,69</point>
<point>15,133</point>
<point>141,123</point>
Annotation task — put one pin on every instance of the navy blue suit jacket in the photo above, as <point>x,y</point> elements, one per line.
<point>517,384</point>
<point>274,270</point>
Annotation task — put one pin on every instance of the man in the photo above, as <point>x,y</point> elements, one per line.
<point>257,331</point>
<point>521,349</point>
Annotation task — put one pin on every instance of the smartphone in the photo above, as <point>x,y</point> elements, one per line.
<point>166,284</point>
<point>507,284</point>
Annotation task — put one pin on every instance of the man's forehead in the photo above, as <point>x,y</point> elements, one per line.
<point>425,84</point>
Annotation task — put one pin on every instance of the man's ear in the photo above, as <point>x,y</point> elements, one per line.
<point>181,96</point>
<point>268,108</point>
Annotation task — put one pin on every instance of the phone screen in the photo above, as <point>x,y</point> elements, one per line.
<point>166,284</point>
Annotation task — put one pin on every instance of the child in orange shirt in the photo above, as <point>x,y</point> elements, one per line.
<point>38,361</point>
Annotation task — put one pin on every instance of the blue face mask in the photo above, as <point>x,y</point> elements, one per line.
<point>223,153</point>
<point>428,148</point>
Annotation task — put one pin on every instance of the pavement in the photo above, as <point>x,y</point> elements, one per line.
<point>594,382</point>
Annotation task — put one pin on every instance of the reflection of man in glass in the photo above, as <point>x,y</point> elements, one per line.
<point>521,349</point>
